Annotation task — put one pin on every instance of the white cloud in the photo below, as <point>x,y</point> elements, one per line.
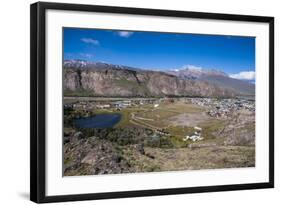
<point>244,75</point>
<point>90,41</point>
<point>125,34</point>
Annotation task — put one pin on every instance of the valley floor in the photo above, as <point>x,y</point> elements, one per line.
<point>153,137</point>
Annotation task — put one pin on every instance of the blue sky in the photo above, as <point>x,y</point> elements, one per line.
<point>163,51</point>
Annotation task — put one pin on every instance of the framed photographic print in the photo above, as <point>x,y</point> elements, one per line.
<point>129,102</point>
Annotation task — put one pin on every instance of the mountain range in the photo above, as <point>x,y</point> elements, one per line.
<point>217,78</point>
<point>85,78</point>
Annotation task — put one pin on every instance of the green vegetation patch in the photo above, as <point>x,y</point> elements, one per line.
<point>211,128</point>
<point>180,131</point>
<point>79,93</point>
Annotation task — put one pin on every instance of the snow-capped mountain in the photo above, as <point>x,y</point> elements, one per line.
<point>83,64</point>
<point>190,72</point>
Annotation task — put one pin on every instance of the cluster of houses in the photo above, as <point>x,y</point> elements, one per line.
<point>223,107</point>
<point>196,136</point>
<point>118,104</point>
<point>89,105</point>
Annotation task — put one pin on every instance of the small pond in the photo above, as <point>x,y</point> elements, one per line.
<point>98,121</point>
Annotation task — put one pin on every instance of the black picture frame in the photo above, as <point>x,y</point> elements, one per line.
<point>38,101</point>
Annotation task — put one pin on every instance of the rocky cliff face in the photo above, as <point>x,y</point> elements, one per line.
<point>123,82</point>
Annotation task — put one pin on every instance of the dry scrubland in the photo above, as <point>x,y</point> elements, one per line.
<point>133,145</point>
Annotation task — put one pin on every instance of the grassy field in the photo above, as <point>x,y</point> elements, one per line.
<point>160,118</point>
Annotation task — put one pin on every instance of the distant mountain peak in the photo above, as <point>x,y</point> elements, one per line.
<point>194,72</point>
<point>191,67</point>
<point>76,63</point>
<point>213,76</point>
